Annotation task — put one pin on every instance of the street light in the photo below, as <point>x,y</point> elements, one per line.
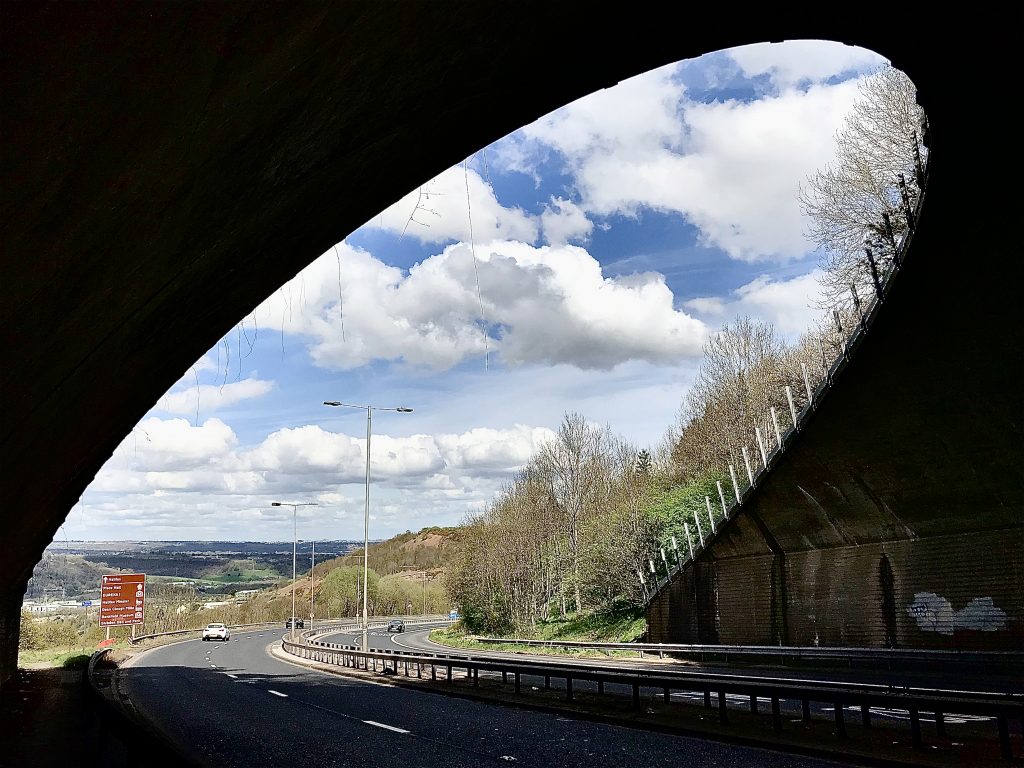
<point>295,541</point>
<point>312,583</point>
<point>366,512</point>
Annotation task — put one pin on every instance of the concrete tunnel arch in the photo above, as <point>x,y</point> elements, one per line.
<point>167,166</point>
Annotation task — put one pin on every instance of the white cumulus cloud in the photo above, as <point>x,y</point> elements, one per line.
<point>443,209</point>
<point>211,397</point>
<point>549,304</point>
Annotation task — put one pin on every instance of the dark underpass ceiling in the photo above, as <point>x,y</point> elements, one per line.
<point>167,166</point>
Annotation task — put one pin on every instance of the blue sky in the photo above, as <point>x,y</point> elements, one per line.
<point>578,264</point>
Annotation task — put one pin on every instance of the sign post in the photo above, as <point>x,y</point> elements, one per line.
<point>122,600</point>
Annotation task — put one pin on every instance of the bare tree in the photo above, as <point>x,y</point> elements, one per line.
<point>859,199</point>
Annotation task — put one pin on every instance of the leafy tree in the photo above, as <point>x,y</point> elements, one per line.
<point>30,637</point>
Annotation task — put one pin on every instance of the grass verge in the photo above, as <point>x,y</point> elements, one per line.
<point>621,626</point>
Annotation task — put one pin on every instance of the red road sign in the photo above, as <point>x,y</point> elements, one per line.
<point>122,599</point>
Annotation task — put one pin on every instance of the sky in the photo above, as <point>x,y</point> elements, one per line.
<point>578,264</point>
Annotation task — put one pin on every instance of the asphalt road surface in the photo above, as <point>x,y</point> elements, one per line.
<point>232,704</point>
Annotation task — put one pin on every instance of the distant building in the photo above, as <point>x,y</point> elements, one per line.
<point>246,594</point>
<point>218,604</point>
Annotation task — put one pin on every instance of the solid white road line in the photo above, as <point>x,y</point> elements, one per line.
<point>233,677</point>
<point>388,727</point>
<point>278,693</point>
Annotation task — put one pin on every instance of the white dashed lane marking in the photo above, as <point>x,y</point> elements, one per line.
<point>388,727</point>
<point>278,693</point>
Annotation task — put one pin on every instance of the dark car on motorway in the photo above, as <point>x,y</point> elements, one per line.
<point>294,621</point>
<point>396,625</point>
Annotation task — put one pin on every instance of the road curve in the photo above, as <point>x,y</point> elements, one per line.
<point>232,704</point>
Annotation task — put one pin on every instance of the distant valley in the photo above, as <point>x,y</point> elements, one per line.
<point>73,569</point>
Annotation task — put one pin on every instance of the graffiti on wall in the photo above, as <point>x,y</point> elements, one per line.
<point>934,613</point>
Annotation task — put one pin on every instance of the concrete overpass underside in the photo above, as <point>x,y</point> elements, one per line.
<point>166,166</point>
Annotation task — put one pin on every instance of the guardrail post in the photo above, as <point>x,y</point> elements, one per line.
<point>707,698</point>
<point>753,703</point>
<point>547,682</point>
<point>735,485</point>
<point>776,714</point>
<point>711,517</point>
<point>887,223</point>
<point>449,672</point>
<point>805,710</point>
<point>840,720</point>
<point>940,724</point>
<point>865,715</point>
<point>636,696</point>
<point>1005,750</point>
<point>517,682</point>
<point>689,540</point>
<point>568,689</point>
<point>915,727</point>
<point>723,712</point>
<point>476,677</point>
<point>504,677</point>
<point>775,423</point>
<point>668,695</point>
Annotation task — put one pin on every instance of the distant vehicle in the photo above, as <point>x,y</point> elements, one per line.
<point>296,621</point>
<point>216,632</point>
<point>396,625</point>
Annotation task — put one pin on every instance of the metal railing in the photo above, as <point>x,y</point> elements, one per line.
<point>879,656</point>
<point>840,695</point>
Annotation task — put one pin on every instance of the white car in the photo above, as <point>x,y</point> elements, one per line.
<point>216,632</point>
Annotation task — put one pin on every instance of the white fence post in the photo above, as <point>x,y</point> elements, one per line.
<point>760,444</point>
<point>792,405</point>
<point>746,460</point>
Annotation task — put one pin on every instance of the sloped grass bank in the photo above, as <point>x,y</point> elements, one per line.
<point>621,626</point>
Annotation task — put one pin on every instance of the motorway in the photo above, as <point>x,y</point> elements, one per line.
<point>233,704</point>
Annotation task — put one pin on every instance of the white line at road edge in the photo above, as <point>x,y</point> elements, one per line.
<point>278,693</point>
<point>388,727</point>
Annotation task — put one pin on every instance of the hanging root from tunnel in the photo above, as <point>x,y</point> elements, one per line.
<point>476,271</point>
<point>341,298</point>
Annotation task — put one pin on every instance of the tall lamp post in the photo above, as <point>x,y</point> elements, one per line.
<point>366,511</point>
<point>312,581</point>
<point>295,541</point>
